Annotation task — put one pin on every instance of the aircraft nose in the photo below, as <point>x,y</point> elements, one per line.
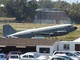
<point>75,28</point>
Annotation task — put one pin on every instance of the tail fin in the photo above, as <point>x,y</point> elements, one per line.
<point>7,29</point>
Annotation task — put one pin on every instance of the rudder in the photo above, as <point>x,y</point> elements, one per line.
<point>7,29</point>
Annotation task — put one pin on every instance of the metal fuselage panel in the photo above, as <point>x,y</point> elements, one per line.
<point>44,31</point>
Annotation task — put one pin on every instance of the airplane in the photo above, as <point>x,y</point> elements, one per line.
<point>49,31</point>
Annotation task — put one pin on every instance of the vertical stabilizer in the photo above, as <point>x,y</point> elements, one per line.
<point>7,29</point>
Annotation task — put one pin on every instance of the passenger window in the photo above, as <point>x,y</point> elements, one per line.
<point>25,56</point>
<point>30,56</point>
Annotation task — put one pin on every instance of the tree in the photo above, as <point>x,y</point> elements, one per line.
<point>2,5</point>
<point>74,12</point>
<point>4,1</point>
<point>21,9</point>
<point>24,10</point>
<point>62,5</point>
<point>45,4</point>
<point>31,10</point>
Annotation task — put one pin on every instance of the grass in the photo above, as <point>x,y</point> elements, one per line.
<point>5,18</point>
<point>22,26</point>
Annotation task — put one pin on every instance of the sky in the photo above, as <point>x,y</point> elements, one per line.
<point>69,1</point>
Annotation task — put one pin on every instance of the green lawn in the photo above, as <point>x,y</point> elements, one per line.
<point>23,26</point>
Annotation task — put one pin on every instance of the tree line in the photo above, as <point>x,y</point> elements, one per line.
<point>24,10</point>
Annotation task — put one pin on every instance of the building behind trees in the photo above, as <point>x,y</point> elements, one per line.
<point>51,16</point>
